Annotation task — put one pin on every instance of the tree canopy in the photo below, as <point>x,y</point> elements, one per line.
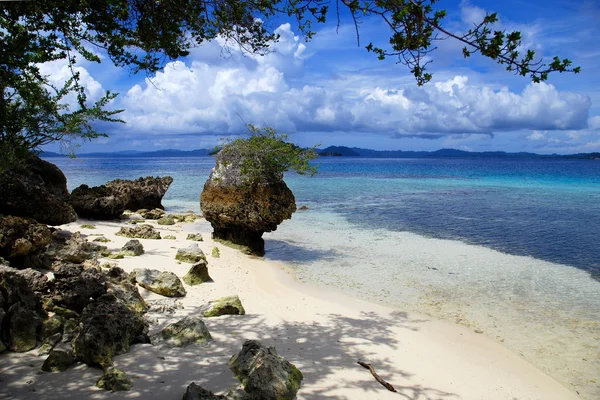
<point>143,35</point>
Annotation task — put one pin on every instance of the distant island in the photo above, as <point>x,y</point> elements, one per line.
<point>343,151</point>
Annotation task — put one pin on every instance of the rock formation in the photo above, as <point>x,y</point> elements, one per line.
<point>197,274</point>
<point>141,193</point>
<point>230,305</point>
<point>139,232</point>
<point>37,189</point>
<point>164,283</point>
<point>189,330</point>
<point>21,238</point>
<point>191,254</point>
<point>240,212</point>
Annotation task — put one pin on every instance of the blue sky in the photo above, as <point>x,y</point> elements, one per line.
<point>329,91</point>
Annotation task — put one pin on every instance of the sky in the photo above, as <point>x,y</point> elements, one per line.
<point>330,91</point>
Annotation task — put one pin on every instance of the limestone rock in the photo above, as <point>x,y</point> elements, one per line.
<point>164,283</point>
<point>52,328</point>
<point>165,306</point>
<point>264,374</point>
<point>195,392</point>
<point>197,274</point>
<point>108,328</point>
<point>189,330</point>
<point>139,232</point>
<point>215,252</point>
<point>157,213</point>
<point>22,237</point>
<point>191,254</point>
<point>170,237</point>
<point>132,248</point>
<point>22,328</point>
<point>114,380</point>
<point>99,202</point>
<point>230,305</point>
<point>59,360</point>
<point>142,192</point>
<point>71,247</point>
<point>194,236</point>
<point>124,291</point>
<point>239,212</point>
<point>74,286</point>
<point>36,189</point>
<point>166,220</point>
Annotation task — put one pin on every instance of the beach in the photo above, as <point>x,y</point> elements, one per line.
<point>323,332</point>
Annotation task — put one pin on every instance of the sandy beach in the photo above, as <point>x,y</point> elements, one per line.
<point>323,333</point>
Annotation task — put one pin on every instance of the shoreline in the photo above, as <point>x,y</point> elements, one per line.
<point>323,332</point>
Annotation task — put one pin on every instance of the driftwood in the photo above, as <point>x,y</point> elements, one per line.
<point>377,377</point>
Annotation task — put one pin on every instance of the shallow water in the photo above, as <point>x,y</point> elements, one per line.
<point>507,247</point>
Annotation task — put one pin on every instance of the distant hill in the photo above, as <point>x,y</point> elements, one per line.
<point>133,153</point>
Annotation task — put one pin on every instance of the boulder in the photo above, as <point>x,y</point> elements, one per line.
<point>21,238</point>
<point>157,213</point>
<point>59,359</point>
<point>114,380</point>
<point>195,392</point>
<point>139,232</point>
<point>124,291</point>
<point>166,220</point>
<point>132,248</point>
<point>191,254</point>
<point>197,274</point>
<point>2,314</point>
<point>230,305</point>
<point>197,237</point>
<point>108,328</point>
<point>164,283</point>
<point>264,374</point>
<point>22,324</point>
<point>215,252</point>
<point>71,247</point>
<point>74,286</point>
<point>142,192</point>
<point>240,212</point>
<point>99,202</point>
<point>189,330</point>
<point>52,328</point>
<point>36,189</point>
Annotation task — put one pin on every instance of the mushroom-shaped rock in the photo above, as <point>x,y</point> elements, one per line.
<point>162,282</point>
<point>141,193</point>
<point>191,254</point>
<point>36,189</point>
<point>196,392</point>
<point>139,232</point>
<point>108,328</point>
<point>265,374</point>
<point>240,212</point>
<point>132,248</point>
<point>197,274</point>
<point>230,305</point>
<point>114,380</point>
<point>59,359</point>
<point>189,330</point>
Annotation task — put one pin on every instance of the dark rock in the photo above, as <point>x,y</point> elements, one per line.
<point>22,328</point>
<point>143,192</point>
<point>114,380</point>
<point>164,283</point>
<point>100,202</point>
<point>189,330</point>
<point>124,291</point>
<point>59,360</point>
<point>191,254</point>
<point>303,208</point>
<point>36,189</point>
<point>264,374</point>
<point>74,287</point>
<point>2,314</point>
<point>108,328</point>
<point>157,213</point>
<point>71,247</point>
<point>195,392</point>
<point>37,281</point>
<point>21,238</point>
<point>166,220</point>
<point>139,232</point>
<point>197,274</point>
<point>240,212</point>
<point>230,305</point>
<point>52,328</point>
<point>132,248</point>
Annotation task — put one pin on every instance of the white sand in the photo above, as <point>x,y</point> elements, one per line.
<point>322,332</point>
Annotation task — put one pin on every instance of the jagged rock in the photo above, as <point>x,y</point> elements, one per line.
<point>22,328</point>
<point>164,283</point>
<point>194,236</point>
<point>139,232</point>
<point>2,314</point>
<point>157,213</point>
<point>99,202</point>
<point>230,305</point>
<point>195,392</point>
<point>114,380</point>
<point>132,248</point>
<point>124,291</point>
<point>264,374</point>
<point>197,274</point>
<point>191,254</point>
<point>74,286</point>
<point>240,212</point>
<point>108,328</point>
<point>36,189</point>
<point>166,220</point>
<point>70,330</point>
<point>142,192</point>
<point>59,360</point>
<point>37,281</point>
<point>22,237</point>
<point>44,349</point>
<point>52,328</point>
<point>189,330</point>
<point>71,247</point>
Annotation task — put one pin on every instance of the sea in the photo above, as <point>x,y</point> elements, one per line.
<point>507,247</point>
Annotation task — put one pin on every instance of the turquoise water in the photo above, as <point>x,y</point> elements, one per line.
<point>509,248</point>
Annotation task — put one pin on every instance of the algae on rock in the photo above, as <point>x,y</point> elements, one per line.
<point>139,232</point>
<point>164,283</point>
<point>197,274</point>
<point>191,254</point>
<point>230,305</point>
<point>189,330</point>
<point>114,380</point>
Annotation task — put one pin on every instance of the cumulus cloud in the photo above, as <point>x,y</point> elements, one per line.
<point>58,72</point>
<point>210,94</point>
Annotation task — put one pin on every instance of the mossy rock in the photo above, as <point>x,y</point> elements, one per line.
<point>191,254</point>
<point>114,380</point>
<point>115,256</point>
<point>164,283</point>
<point>102,239</point>
<point>88,226</point>
<point>189,330</point>
<point>215,252</point>
<point>132,248</point>
<point>59,360</point>
<point>197,274</point>
<point>139,232</point>
<point>230,305</point>
<point>136,221</point>
<point>166,220</point>
<point>170,237</point>
<point>195,237</point>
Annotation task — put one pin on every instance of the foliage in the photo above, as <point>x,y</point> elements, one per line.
<point>145,34</point>
<point>266,154</point>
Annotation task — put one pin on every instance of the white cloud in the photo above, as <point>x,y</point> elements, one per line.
<point>58,72</point>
